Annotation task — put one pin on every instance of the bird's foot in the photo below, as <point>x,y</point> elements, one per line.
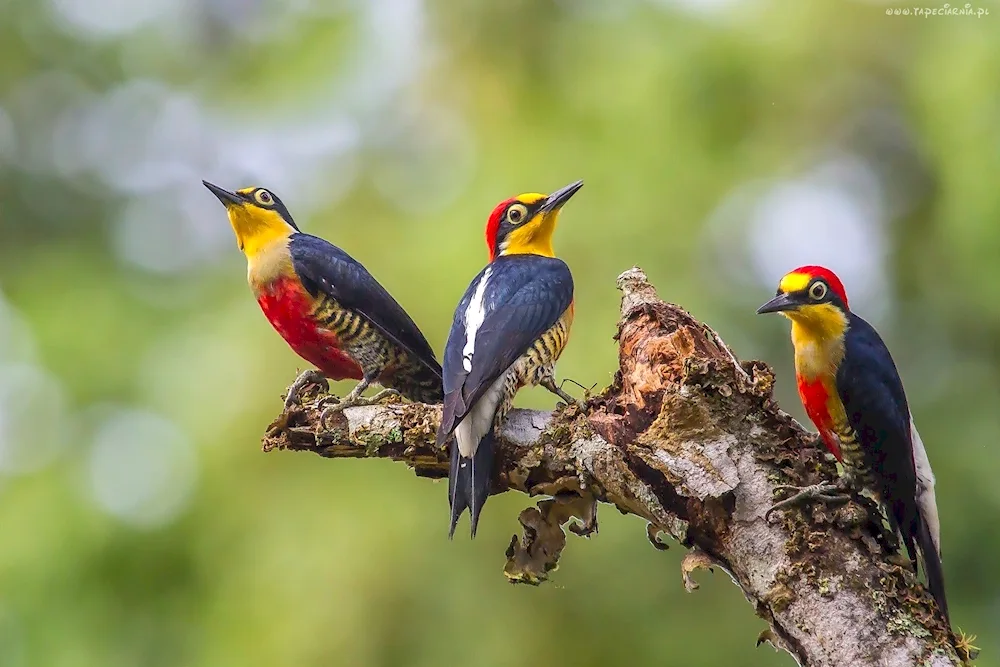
<point>353,400</point>
<point>900,560</point>
<point>304,378</point>
<point>824,493</point>
<point>883,533</point>
<point>587,391</point>
<point>383,396</point>
<point>566,398</point>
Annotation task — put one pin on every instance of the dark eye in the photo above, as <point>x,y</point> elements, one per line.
<point>263,197</point>
<point>817,291</point>
<point>516,213</point>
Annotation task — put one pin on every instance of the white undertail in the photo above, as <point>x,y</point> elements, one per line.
<point>926,501</point>
<point>479,421</point>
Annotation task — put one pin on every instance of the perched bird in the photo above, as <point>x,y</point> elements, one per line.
<point>327,307</point>
<point>508,331</point>
<point>852,392</point>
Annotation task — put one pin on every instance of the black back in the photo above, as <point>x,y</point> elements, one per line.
<point>525,296</point>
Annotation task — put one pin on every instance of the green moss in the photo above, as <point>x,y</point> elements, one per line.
<point>779,597</point>
<point>904,624</point>
<point>373,440</point>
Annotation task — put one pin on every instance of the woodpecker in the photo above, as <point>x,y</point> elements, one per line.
<point>327,307</point>
<point>852,392</point>
<point>508,332</point>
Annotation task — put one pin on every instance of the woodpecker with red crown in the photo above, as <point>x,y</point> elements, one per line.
<point>508,331</point>
<point>852,392</point>
<point>327,307</point>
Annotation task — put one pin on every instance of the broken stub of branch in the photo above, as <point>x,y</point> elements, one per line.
<point>689,439</point>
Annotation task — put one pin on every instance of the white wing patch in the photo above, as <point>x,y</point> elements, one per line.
<point>479,421</point>
<point>474,316</point>
<point>926,501</point>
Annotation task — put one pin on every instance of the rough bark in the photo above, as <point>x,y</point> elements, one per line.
<point>690,439</point>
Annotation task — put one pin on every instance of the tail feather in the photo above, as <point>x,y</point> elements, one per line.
<point>458,485</point>
<point>920,539</point>
<point>482,472</point>
<point>908,544</point>
<point>469,482</point>
<point>932,566</point>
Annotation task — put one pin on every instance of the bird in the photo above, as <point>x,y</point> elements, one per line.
<point>852,392</point>
<point>328,307</point>
<point>509,329</point>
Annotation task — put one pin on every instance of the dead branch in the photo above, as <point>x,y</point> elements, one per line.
<point>689,439</point>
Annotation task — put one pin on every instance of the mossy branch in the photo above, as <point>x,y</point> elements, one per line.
<point>689,439</point>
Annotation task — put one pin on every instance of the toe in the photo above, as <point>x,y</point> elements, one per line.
<point>326,415</point>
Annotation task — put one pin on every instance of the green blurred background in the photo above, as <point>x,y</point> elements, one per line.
<point>722,143</point>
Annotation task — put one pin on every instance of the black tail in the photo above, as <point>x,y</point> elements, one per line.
<point>917,537</point>
<point>469,482</point>
<point>932,567</point>
<point>458,484</point>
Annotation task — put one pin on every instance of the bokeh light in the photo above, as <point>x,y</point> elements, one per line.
<point>142,468</point>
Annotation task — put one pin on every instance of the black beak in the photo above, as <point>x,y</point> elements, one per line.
<point>555,201</point>
<point>225,196</point>
<point>780,303</point>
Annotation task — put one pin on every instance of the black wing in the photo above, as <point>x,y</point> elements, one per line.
<point>872,393</point>
<point>525,296</point>
<point>323,267</point>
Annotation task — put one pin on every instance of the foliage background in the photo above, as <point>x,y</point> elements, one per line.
<point>722,143</point>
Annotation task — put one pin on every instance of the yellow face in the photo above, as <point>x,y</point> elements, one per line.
<point>823,321</point>
<point>811,304</point>
<point>526,224</point>
<point>534,235</point>
<point>258,218</point>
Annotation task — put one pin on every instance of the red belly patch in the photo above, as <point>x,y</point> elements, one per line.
<point>815,399</point>
<point>287,307</point>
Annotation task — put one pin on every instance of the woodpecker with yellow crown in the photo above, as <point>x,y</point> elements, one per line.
<point>509,329</point>
<point>852,392</point>
<point>327,307</point>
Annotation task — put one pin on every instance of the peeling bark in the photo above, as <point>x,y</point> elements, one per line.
<point>691,440</point>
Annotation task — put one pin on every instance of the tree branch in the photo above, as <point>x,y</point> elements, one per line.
<point>689,439</point>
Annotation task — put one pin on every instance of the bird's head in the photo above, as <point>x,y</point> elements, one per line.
<point>813,297</point>
<point>258,217</point>
<point>525,224</point>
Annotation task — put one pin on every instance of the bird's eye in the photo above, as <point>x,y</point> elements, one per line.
<point>517,213</point>
<point>817,291</point>
<point>263,197</point>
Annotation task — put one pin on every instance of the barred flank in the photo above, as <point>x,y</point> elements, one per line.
<point>395,367</point>
<point>416,382</point>
<point>854,457</point>
<point>534,365</point>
